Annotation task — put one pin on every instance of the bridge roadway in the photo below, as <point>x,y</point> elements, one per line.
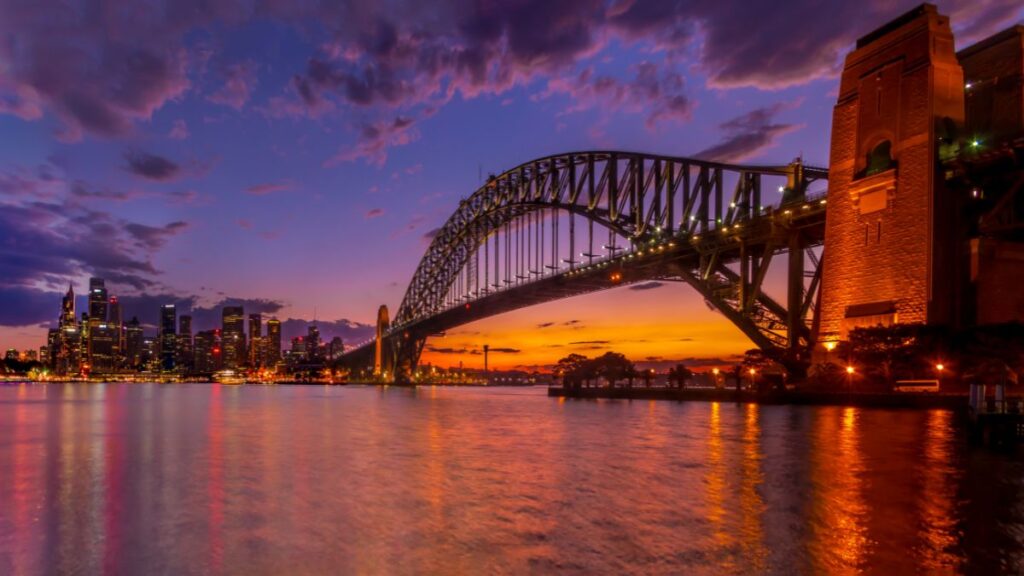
<point>667,257</point>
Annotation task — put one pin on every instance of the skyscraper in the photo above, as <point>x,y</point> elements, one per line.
<point>167,337</point>
<point>255,340</point>
<point>207,353</point>
<point>133,344</point>
<point>233,336</point>
<point>67,308</point>
<point>273,347</point>
<point>68,351</point>
<point>97,300</point>
<point>335,348</point>
<point>313,352</point>
<point>102,343</point>
<point>185,359</point>
<point>116,322</point>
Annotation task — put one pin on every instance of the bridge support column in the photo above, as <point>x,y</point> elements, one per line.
<point>795,291</point>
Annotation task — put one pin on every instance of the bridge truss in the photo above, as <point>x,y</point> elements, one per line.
<point>575,223</point>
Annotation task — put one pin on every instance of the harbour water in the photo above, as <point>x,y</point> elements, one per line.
<point>211,479</point>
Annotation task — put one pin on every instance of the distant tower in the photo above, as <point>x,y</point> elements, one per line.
<point>67,308</point>
<point>380,362</point>
<point>233,336</point>
<point>98,301</point>
<point>890,246</point>
<point>168,336</point>
<point>273,348</point>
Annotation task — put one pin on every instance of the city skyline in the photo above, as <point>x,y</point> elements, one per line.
<point>308,172</point>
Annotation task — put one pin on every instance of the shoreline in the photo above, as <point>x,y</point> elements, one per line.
<point>905,400</point>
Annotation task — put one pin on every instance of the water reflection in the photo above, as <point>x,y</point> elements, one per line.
<point>207,479</point>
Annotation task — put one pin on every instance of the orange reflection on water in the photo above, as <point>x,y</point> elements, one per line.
<point>840,542</point>
<point>752,506</point>
<point>715,479</point>
<point>937,499</point>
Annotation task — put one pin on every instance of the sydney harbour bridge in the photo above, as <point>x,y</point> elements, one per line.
<point>577,223</point>
<point>919,218</point>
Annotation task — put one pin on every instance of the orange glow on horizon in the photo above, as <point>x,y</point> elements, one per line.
<point>665,325</point>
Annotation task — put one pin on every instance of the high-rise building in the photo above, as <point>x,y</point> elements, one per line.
<point>335,348</point>
<point>255,340</point>
<point>133,344</point>
<point>52,344</point>
<point>185,360</point>
<point>313,352</point>
<point>116,321</point>
<point>102,343</point>
<point>167,336</point>
<point>97,300</point>
<point>67,308</point>
<point>66,352</point>
<point>207,354</point>
<point>297,354</point>
<point>233,336</point>
<point>273,345</point>
<point>150,360</point>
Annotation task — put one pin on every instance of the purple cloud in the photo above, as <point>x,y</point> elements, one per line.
<point>374,213</point>
<point>749,134</point>
<point>179,130</point>
<point>151,166</point>
<point>657,94</point>
<point>239,82</point>
<point>374,140</point>
<point>269,188</point>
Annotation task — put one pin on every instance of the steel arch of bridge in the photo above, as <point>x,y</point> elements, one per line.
<point>648,200</point>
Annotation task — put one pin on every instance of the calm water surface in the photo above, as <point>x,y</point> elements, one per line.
<point>207,479</point>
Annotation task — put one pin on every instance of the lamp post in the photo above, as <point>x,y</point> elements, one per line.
<point>753,374</point>
<point>829,347</point>
<point>714,372</point>
<point>938,371</point>
<point>849,378</point>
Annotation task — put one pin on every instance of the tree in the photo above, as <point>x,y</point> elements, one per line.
<point>680,374</point>
<point>648,375</point>
<point>573,369</point>
<point>884,350</point>
<point>613,367</point>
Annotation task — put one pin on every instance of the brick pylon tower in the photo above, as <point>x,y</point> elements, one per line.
<point>382,356</point>
<point>890,241</point>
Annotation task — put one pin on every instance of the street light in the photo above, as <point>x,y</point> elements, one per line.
<point>849,378</point>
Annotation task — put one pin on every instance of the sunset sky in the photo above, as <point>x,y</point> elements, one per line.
<point>294,156</point>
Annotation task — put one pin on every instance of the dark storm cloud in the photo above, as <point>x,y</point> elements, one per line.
<point>582,342</point>
<point>50,235</point>
<point>40,242</point>
<point>151,166</point>
<point>23,306</point>
<point>646,286</point>
<point>749,134</point>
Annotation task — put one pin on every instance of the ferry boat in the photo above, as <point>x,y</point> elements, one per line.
<point>229,377</point>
